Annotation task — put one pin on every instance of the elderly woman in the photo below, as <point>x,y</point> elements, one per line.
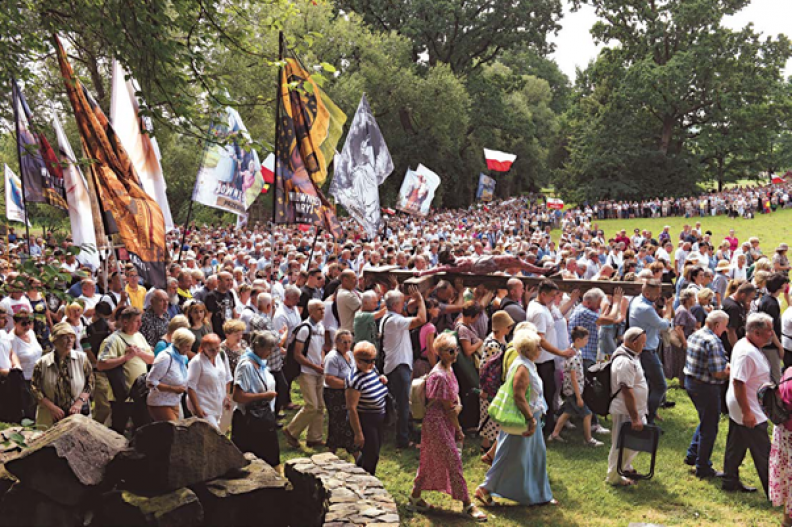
<point>338,364</point>
<point>167,379</point>
<point>703,307</point>
<point>365,396</point>
<point>233,346</point>
<point>780,470</point>
<point>780,259</point>
<point>179,321</point>
<point>519,471</point>
<point>255,385</point>
<point>466,366</point>
<point>684,326</point>
<point>441,460</point>
<point>209,380</point>
<point>74,316</point>
<point>28,351</point>
<point>63,380</point>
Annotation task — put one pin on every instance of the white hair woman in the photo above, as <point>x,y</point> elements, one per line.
<point>209,381</point>
<point>519,471</point>
<point>167,380</point>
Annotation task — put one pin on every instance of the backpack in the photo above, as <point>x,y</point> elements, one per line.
<point>597,386</point>
<point>415,341</point>
<point>291,369</point>
<point>418,398</point>
<point>773,404</point>
<point>380,364</point>
<point>491,375</point>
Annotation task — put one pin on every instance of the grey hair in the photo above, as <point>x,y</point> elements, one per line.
<point>263,339</point>
<point>757,321</point>
<point>594,295</point>
<point>263,298</point>
<point>716,316</point>
<point>445,341</point>
<point>369,296</point>
<point>687,294</point>
<point>291,291</point>
<point>314,303</point>
<point>172,281</point>
<point>526,342</point>
<point>392,299</point>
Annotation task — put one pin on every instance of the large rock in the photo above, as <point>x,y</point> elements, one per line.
<point>23,506</point>
<point>179,508</point>
<point>166,456</point>
<point>68,460</point>
<point>240,498</point>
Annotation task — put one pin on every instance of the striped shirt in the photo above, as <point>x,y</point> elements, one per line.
<point>372,391</point>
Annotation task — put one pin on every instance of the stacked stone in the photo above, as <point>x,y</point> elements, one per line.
<point>335,493</point>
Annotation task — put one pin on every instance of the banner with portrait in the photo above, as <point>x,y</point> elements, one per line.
<point>417,191</point>
<point>486,188</point>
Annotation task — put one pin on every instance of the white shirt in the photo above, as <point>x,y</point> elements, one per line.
<point>396,342</point>
<point>5,351</point>
<point>91,301</point>
<point>209,382</point>
<point>541,317</point>
<point>786,329</point>
<point>329,321</point>
<point>627,372</point>
<point>749,365</point>
<point>165,370</point>
<point>314,353</point>
<point>288,317</point>
<point>27,352</point>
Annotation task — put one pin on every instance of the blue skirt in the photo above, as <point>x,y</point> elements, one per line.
<point>519,471</point>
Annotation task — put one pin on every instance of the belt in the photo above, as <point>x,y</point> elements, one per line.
<point>650,351</point>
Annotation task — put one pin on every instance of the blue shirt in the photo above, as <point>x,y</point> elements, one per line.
<point>643,315</point>
<point>585,317</point>
<point>705,356</point>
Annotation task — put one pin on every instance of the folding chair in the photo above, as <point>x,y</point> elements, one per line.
<point>644,441</point>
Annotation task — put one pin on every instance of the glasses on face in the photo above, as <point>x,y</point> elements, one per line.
<point>366,361</point>
<point>25,323</point>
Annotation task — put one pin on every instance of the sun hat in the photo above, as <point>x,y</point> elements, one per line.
<point>501,320</point>
<point>723,265</point>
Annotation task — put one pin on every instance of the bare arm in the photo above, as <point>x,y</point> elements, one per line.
<point>741,394</point>
<point>352,399</point>
<point>632,408</point>
<point>334,382</point>
<point>243,397</point>
<point>520,387</point>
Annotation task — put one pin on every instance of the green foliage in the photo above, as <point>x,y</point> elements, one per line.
<point>676,99</point>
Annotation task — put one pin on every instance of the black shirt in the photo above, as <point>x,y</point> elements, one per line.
<point>308,293</point>
<point>737,315</point>
<point>769,304</point>
<point>221,306</point>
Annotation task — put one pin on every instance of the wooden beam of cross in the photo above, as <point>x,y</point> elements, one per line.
<point>390,275</point>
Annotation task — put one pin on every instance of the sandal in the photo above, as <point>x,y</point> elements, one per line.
<point>484,497</point>
<point>474,514</point>
<point>419,505</point>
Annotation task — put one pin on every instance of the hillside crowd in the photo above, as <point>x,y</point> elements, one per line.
<point>250,315</point>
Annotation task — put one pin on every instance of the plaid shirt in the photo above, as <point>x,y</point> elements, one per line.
<point>705,356</point>
<point>584,317</point>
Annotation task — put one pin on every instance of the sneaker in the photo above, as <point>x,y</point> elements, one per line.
<point>601,430</point>
<point>593,443</point>
<point>555,439</point>
<point>569,425</point>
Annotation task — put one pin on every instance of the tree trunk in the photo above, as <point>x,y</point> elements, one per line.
<point>667,134</point>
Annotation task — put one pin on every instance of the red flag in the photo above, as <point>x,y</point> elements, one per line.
<point>778,181</point>
<point>554,203</point>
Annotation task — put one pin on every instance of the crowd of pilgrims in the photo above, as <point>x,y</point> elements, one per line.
<point>249,316</point>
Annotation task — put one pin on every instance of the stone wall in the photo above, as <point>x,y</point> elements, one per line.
<point>330,492</point>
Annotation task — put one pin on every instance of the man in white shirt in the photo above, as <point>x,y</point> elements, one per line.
<point>747,422</point>
<point>347,300</point>
<point>287,316</point>
<point>309,353</point>
<point>539,315</point>
<point>398,354</point>
<point>630,401</point>
<point>680,256</point>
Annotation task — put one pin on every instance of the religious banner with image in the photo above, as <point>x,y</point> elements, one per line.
<point>486,188</point>
<point>417,191</point>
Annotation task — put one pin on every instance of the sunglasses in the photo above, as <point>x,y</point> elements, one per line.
<point>367,361</point>
<point>25,323</point>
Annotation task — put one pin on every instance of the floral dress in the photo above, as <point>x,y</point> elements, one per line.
<point>780,470</point>
<point>441,461</point>
<point>488,428</point>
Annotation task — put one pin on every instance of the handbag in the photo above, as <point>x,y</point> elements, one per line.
<point>674,338</point>
<point>504,411</point>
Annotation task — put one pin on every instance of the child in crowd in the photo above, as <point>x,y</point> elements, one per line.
<point>572,390</point>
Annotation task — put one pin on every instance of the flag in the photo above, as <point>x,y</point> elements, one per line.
<point>135,133</point>
<point>268,169</point>
<point>778,181</point>
<point>361,168</point>
<point>15,205</point>
<point>81,218</point>
<point>555,203</point>
<point>486,188</point>
<point>304,124</point>
<point>498,161</point>
<point>418,190</point>
<point>40,170</point>
<point>126,207</point>
<point>230,176</point>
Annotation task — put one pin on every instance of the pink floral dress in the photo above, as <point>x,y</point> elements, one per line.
<point>441,462</point>
<point>780,473</point>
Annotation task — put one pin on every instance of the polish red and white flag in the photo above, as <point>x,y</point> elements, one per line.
<point>498,161</point>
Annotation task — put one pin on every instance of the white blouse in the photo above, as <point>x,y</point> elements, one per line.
<point>27,352</point>
<point>165,370</point>
<point>209,381</point>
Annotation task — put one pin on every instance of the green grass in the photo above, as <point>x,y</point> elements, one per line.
<point>673,497</point>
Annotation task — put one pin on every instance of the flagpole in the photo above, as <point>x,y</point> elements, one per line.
<point>15,101</point>
<point>313,245</point>
<point>277,124</point>
<point>192,198</point>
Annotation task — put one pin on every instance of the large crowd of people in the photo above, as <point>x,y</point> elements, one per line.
<point>250,316</point>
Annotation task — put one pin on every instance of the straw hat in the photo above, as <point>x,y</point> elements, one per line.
<point>723,265</point>
<point>782,247</point>
<point>501,320</point>
<point>61,329</point>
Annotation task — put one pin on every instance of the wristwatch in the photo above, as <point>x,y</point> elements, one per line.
<point>83,400</point>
